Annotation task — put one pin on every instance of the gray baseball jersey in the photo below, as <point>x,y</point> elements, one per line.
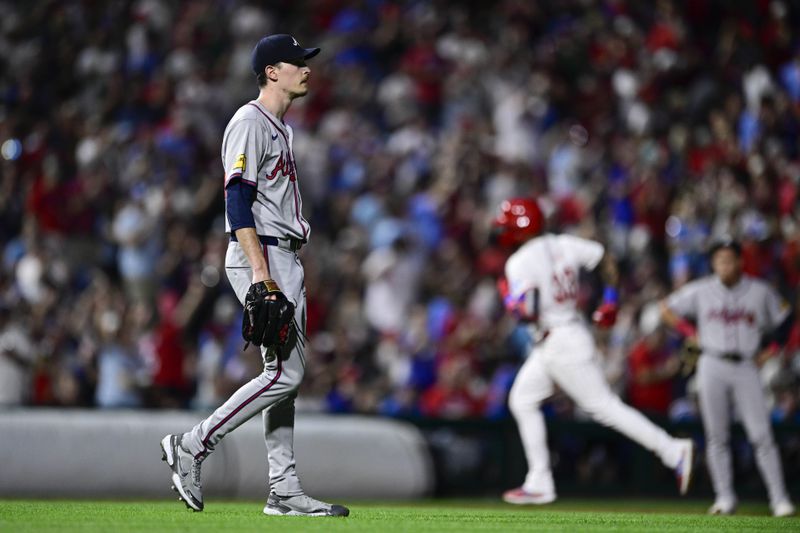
<point>257,148</point>
<point>730,319</point>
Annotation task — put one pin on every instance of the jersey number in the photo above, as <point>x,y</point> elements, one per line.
<point>565,285</point>
<point>285,165</point>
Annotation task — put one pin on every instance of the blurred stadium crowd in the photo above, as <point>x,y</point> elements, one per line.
<point>650,126</point>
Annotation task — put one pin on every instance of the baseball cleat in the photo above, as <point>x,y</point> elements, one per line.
<point>185,472</point>
<point>684,470</point>
<point>722,507</point>
<point>783,509</point>
<point>520,496</point>
<point>301,505</point>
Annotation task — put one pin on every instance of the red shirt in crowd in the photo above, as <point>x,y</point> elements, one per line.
<point>652,397</point>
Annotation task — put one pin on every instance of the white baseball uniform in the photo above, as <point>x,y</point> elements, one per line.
<point>257,148</point>
<point>730,324</point>
<point>566,355</point>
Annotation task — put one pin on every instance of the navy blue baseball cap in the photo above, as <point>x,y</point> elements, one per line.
<point>725,243</point>
<point>273,49</point>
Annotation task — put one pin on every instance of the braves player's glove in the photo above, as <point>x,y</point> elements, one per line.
<point>605,316</point>
<point>268,315</point>
<point>690,353</point>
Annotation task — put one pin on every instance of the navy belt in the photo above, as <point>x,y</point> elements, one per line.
<point>733,357</point>
<point>287,244</point>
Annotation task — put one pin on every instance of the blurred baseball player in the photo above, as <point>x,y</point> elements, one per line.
<point>733,312</point>
<point>266,225</point>
<point>541,287</point>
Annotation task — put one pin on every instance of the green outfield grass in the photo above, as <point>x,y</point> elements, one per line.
<point>434,515</point>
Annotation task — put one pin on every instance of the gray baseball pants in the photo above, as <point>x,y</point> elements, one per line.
<point>719,383</point>
<point>274,390</point>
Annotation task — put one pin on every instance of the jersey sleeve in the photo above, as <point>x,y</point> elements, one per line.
<point>777,308</point>
<point>587,253</point>
<point>684,301</point>
<point>245,142</point>
<point>520,280</point>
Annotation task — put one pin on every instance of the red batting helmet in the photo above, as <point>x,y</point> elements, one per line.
<point>519,220</point>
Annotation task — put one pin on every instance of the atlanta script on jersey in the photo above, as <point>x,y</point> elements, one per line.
<point>257,148</point>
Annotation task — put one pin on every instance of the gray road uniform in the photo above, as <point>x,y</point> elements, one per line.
<point>257,148</point>
<point>730,325</point>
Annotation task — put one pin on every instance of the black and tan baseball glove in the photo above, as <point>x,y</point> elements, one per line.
<point>268,315</point>
<point>689,354</point>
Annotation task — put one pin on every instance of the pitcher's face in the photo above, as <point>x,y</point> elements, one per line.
<point>293,77</point>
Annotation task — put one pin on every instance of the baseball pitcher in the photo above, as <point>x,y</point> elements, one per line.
<point>541,287</point>
<point>733,312</point>
<point>267,228</point>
